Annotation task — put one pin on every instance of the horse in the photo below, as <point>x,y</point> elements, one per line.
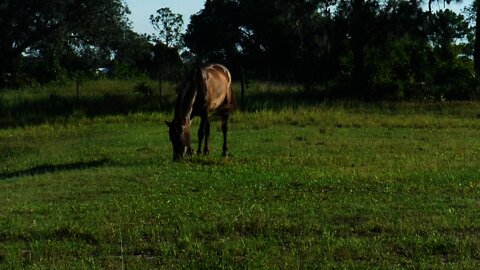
<point>206,92</point>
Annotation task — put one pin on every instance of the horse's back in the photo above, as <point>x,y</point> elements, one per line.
<point>218,84</point>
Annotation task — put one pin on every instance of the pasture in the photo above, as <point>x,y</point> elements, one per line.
<point>89,183</point>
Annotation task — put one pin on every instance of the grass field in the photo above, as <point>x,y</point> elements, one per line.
<point>89,184</point>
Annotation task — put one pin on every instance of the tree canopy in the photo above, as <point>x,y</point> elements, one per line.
<point>356,48</point>
<point>57,33</point>
<point>169,25</point>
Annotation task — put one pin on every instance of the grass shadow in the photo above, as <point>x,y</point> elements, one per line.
<point>49,168</point>
<point>39,109</point>
<point>277,100</point>
<point>51,108</point>
<point>24,109</point>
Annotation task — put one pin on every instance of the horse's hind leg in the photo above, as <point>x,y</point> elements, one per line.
<point>224,131</point>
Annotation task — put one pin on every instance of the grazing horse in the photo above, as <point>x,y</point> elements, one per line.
<point>207,91</point>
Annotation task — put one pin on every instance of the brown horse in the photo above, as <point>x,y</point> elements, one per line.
<point>207,91</point>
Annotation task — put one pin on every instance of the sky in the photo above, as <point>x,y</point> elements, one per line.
<point>142,9</point>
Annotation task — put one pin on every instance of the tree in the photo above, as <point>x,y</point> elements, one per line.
<point>476,58</point>
<point>214,33</point>
<point>358,30</point>
<point>53,26</point>
<point>132,54</point>
<point>271,37</point>
<point>169,25</point>
<point>166,57</point>
<point>366,49</point>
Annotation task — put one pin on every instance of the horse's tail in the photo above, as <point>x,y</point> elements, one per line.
<point>233,104</point>
<point>229,105</point>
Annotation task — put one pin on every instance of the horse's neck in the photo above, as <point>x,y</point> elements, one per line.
<point>185,100</point>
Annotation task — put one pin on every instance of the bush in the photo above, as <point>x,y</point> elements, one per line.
<point>144,89</point>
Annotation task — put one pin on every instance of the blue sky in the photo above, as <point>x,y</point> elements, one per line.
<point>142,9</point>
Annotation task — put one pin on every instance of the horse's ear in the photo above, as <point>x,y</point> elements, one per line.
<point>169,124</point>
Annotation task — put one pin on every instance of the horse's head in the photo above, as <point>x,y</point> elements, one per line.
<point>180,138</point>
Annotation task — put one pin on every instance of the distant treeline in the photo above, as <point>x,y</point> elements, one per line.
<point>365,49</point>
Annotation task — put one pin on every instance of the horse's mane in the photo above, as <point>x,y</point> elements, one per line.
<point>187,94</point>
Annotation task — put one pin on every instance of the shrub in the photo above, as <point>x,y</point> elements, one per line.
<point>143,89</point>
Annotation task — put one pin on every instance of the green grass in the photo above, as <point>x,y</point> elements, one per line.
<point>341,185</point>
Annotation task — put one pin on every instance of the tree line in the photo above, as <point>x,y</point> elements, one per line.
<point>367,49</point>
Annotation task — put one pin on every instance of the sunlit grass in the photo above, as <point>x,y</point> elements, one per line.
<point>331,185</point>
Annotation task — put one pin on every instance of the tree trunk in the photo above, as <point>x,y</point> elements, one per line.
<point>242,87</point>
<point>160,86</point>
<point>78,89</point>
<point>476,54</point>
<point>358,48</point>
<point>8,67</point>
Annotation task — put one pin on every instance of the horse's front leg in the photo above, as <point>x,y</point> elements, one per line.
<point>206,149</point>
<point>201,134</point>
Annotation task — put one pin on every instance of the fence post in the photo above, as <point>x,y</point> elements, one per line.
<point>242,87</point>
<point>78,89</point>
